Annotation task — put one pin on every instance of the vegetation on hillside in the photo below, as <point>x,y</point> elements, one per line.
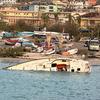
<point>19,26</point>
<point>24,0</point>
<point>11,52</point>
<point>68,27</point>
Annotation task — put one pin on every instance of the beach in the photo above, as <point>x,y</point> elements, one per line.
<point>36,56</point>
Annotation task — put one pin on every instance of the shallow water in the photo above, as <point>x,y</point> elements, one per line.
<point>29,85</point>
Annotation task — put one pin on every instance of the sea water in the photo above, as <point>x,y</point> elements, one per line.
<point>30,85</point>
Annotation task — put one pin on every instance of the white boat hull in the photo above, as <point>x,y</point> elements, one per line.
<point>54,65</point>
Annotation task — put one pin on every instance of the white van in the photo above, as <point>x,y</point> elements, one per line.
<point>94,45</point>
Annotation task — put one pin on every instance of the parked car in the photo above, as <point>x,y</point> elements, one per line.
<point>94,45</point>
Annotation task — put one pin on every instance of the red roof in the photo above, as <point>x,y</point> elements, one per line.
<point>92,2</point>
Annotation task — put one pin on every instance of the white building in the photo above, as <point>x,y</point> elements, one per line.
<point>43,8</point>
<point>7,2</point>
<point>78,5</point>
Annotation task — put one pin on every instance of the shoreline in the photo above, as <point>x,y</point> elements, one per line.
<point>36,56</point>
<point>94,61</point>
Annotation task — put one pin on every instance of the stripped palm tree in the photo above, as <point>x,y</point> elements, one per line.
<point>76,19</point>
<point>1,16</point>
<point>3,24</point>
<point>45,18</point>
<point>56,17</point>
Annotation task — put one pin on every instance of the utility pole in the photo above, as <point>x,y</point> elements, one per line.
<point>39,16</point>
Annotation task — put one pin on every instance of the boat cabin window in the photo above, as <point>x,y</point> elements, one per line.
<point>72,70</point>
<point>43,66</point>
<point>54,65</point>
<point>78,69</point>
<point>63,60</point>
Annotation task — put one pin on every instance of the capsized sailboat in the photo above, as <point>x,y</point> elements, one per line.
<point>59,64</point>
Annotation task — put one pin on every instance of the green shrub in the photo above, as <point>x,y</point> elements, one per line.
<point>11,52</point>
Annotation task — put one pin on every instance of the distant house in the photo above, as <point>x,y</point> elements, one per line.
<point>77,5</point>
<point>90,19</point>
<point>43,8</point>
<point>12,16</point>
<point>92,2</point>
<point>7,2</point>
